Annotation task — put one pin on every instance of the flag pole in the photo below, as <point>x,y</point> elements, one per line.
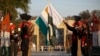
<point>49,1</point>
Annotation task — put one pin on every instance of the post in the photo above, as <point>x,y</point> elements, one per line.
<point>65,39</point>
<point>79,53</point>
<point>37,38</point>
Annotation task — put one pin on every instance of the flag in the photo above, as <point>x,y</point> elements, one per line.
<point>49,16</point>
<point>5,22</point>
<point>50,11</point>
<point>42,25</point>
<point>6,19</point>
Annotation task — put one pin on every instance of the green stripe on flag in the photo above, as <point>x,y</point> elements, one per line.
<point>42,26</point>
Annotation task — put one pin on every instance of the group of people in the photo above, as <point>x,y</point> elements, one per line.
<point>80,32</point>
<point>10,37</point>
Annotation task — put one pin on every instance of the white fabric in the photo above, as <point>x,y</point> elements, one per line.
<point>57,19</point>
<point>33,47</point>
<point>11,23</point>
<point>99,38</point>
<point>1,18</point>
<point>19,29</point>
<point>57,34</point>
<point>51,30</point>
<point>12,31</point>
<point>5,38</point>
<point>95,39</point>
<point>48,36</point>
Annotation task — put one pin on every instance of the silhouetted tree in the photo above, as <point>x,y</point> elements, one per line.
<point>85,14</point>
<point>11,6</point>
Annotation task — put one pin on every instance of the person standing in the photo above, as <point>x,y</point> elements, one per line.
<point>5,35</point>
<point>13,40</point>
<point>85,40</point>
<point>24,33</point>
<point>75,35</point>
<point>84,43</point>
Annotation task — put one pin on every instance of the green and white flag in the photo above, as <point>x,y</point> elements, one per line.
<point>48,16</point>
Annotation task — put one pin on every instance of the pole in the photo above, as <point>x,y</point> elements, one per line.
<point>49,1</point>
<point>65,40</point>
<point>37,39</point>
<point>79,53</point>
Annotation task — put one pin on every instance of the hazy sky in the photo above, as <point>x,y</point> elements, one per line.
<point>64,7</point>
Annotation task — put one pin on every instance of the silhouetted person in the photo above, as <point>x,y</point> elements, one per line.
<point>24,33</point>
<point>84,40</point>
<point>76,34</point>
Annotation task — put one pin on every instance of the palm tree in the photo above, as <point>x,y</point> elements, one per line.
<point>11,6</point>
